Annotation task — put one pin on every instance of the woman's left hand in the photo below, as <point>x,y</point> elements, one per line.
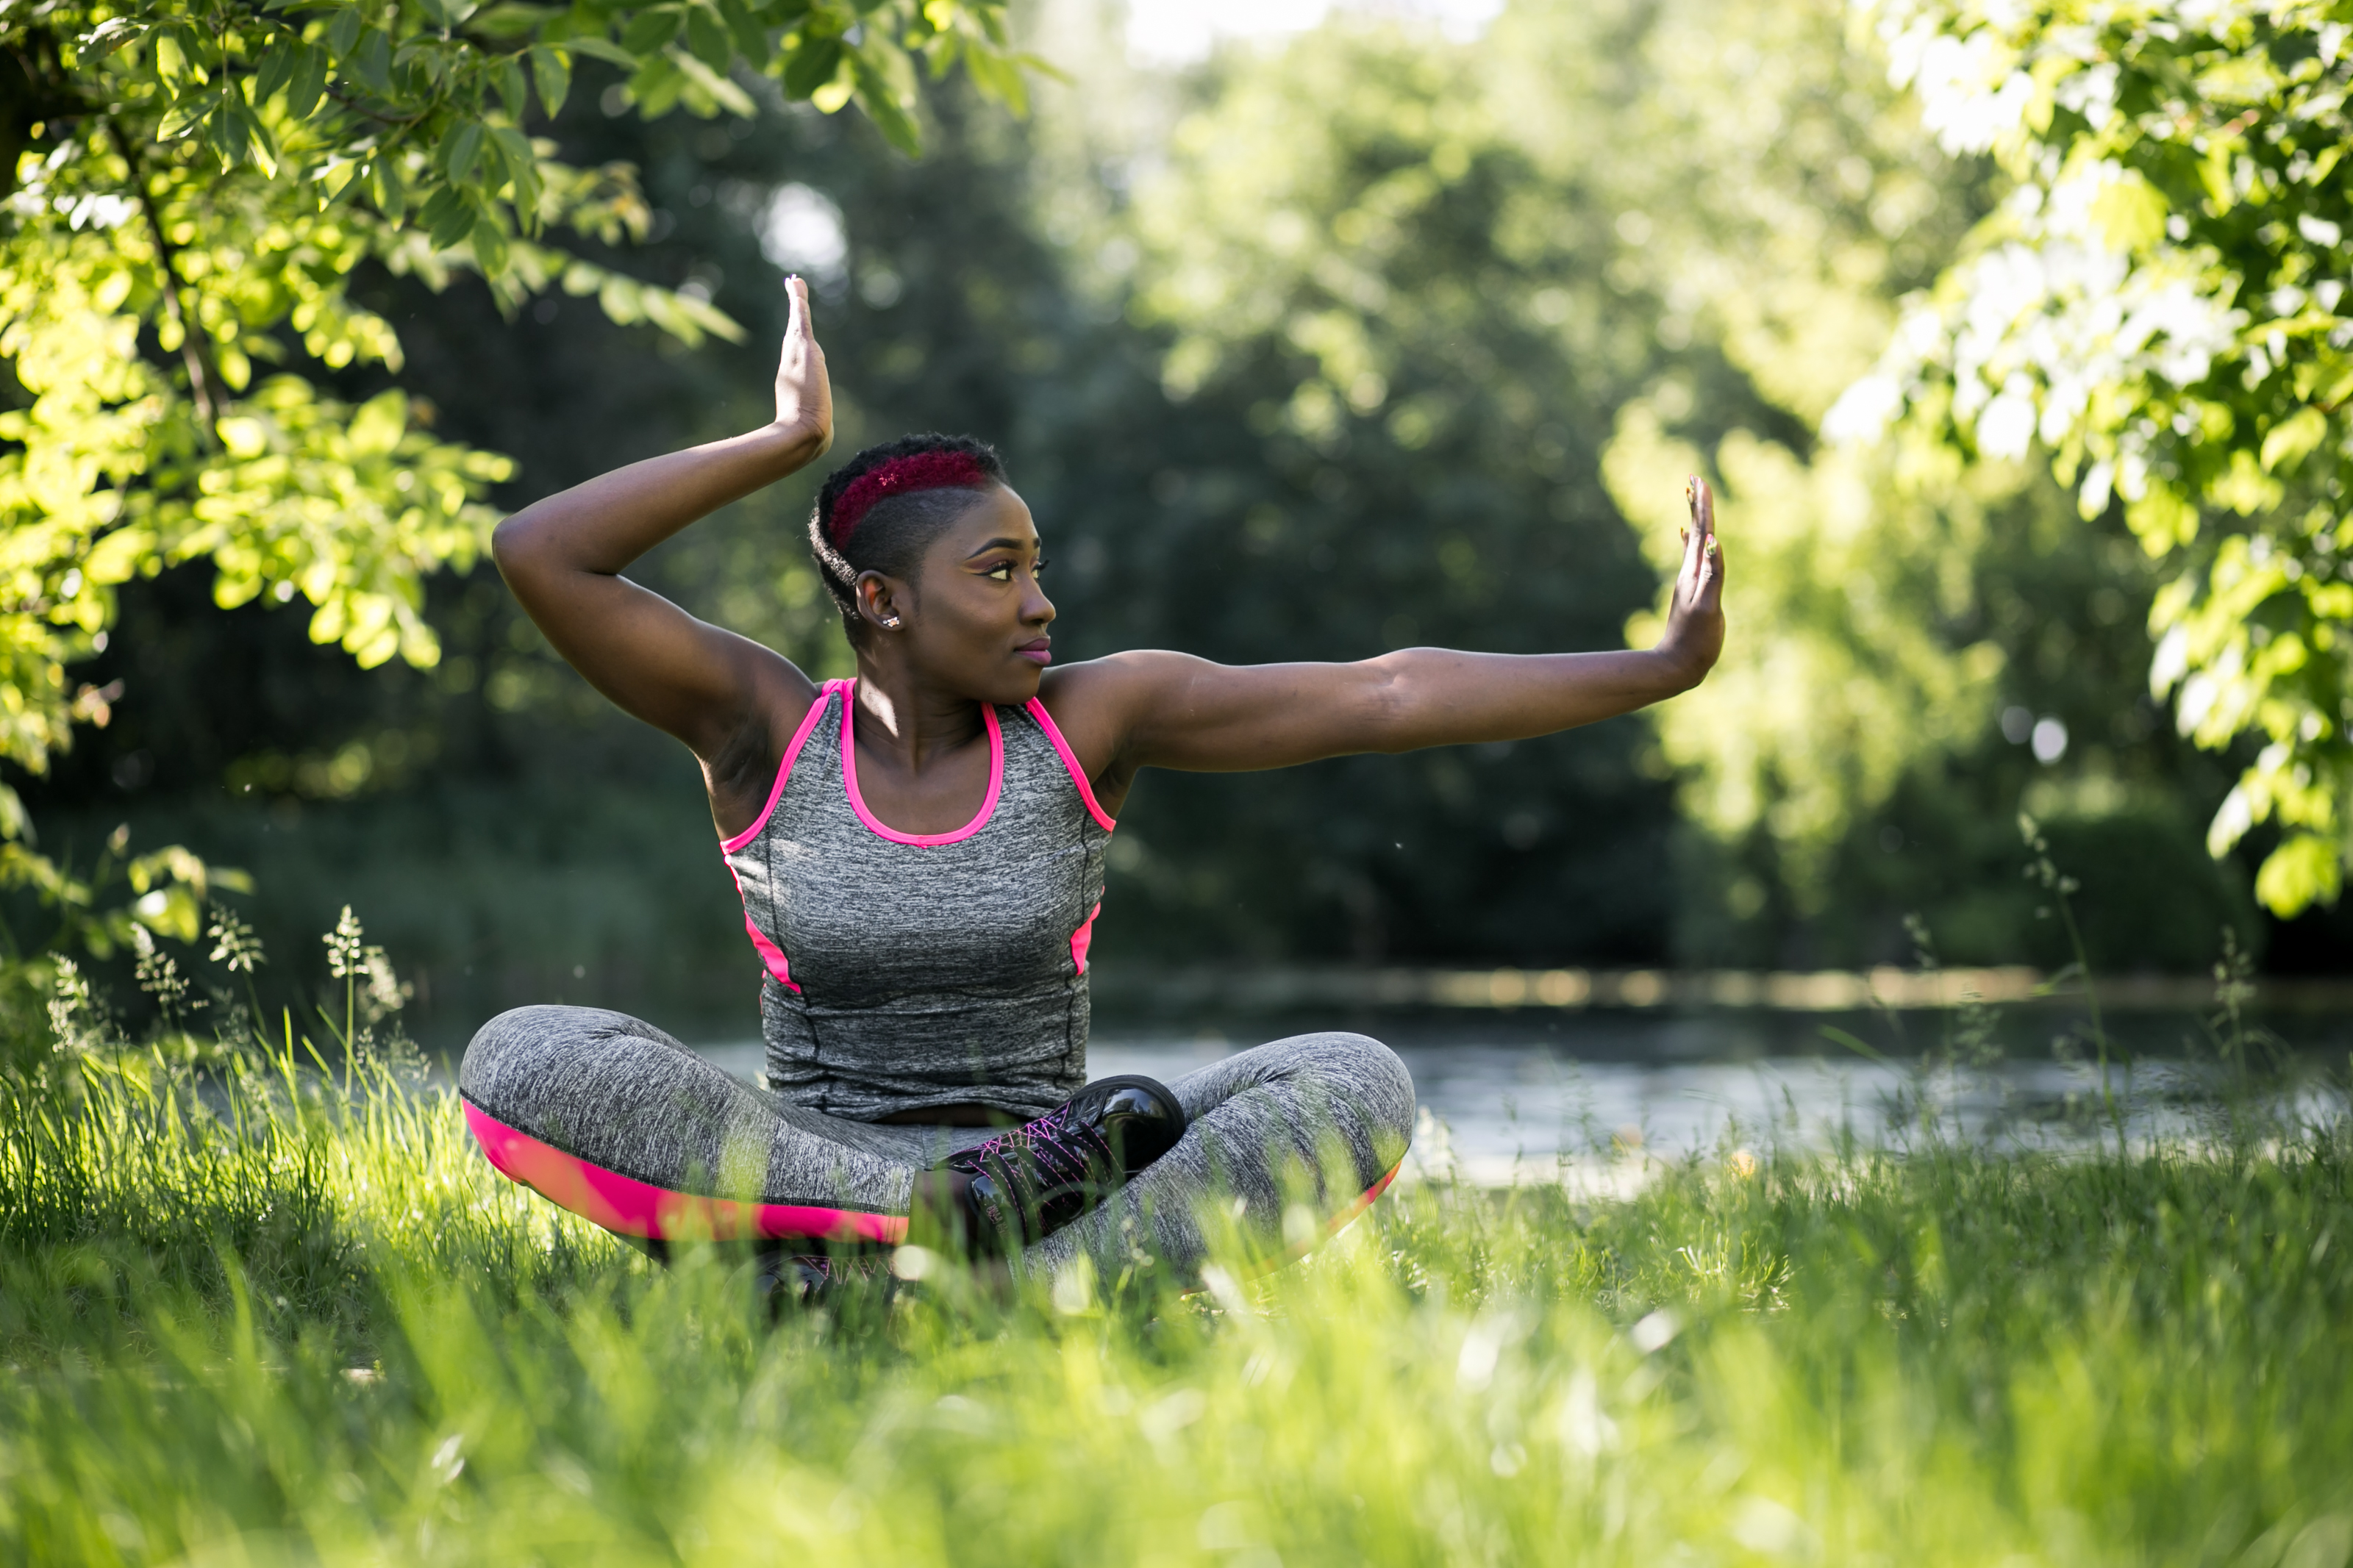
<point>1696,615</point>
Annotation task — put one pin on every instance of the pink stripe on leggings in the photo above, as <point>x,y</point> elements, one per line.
<point>1347,1216</point>
<point>632,1208</point>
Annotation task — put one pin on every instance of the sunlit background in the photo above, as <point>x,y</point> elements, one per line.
<point>1309,331</point>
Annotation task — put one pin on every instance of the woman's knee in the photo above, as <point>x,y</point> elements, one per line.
<point>1364,1074</point>
<point>516,1051</point>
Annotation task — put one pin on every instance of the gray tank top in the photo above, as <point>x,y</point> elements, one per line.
<point>913,970</point>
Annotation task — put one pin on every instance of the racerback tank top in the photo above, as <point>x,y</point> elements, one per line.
<point>906,970</point>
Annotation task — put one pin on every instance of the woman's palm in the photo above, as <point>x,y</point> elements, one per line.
<point>803,397</point>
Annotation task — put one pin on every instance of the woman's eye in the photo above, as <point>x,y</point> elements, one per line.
<point>1040,569</point>
<point>1002,572</point>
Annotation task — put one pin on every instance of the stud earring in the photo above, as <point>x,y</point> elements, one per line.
<point>891,621</point>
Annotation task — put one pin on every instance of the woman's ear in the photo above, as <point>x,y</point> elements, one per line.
<point>878,601</point>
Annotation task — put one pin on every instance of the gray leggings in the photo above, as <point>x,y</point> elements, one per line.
<point>616,1113</point>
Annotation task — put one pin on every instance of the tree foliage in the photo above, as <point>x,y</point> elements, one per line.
<point>191,186</point>
<point>1592,251</point>
<point>1805,200</point>
<point>2160,306</point>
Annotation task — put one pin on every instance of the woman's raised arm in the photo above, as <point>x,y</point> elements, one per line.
<point>562,557</point>
<point>1165,710</point>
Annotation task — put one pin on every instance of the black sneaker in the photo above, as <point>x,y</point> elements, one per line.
<point>1031,1180</point>
<point>809,1279</point>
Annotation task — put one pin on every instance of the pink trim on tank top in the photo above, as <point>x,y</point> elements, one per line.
<point>1037,707</point>
<point>1084,937</point>
<point>784,771</point>
<point>921,840</point>
<point>770,953</point>
<point>631,1207</point>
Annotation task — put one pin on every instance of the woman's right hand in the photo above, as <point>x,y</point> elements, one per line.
<point>804,396</point>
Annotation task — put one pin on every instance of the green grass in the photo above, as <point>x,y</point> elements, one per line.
<point>278,1323</point>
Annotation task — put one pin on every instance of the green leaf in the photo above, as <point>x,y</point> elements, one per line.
<point>260,146</point>
<point>384,186</point>
<point>810,66</point>
<point>371,64</point>
<point>378,424</point>
<point>2161,519</point>
<point>882,106</point>
<point>512,21</point>
<point>523,167</point>
<point>490,248</point>
<point>185,115</point>
<point>2288,441</point>
<point>277,67</point>
<point>2305,870</point>
<point>997,78</point>
<point>171,56</point>
<point>490,172</point>
<point>515,148</point>
<point>448,217</point>
<point>726,93</point>
<point>706,35</point>
<point>515,87</point>
<point>553,74</point>
<point>308,84</point>
<point>751,37</point>
<point>2131,214</point>
<point>461,150</point>
<point>601,48</point>
<point>227,133</point>
<point>343,31</point>
<point>651,30</point>
<point>657,85</point>
<point>105,39</point>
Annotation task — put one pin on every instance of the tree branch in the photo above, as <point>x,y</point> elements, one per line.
<point>202,377</point>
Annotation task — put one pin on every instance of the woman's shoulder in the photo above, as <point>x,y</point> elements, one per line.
<point>1116,685</point>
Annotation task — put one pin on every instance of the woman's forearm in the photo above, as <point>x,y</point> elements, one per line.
<point>603,525</point>
<point>1440,697</point>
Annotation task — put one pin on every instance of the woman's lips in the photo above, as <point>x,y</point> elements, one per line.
<point>1037,652</point>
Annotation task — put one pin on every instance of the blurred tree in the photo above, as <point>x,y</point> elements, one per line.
<point>2156,306</point>
<point>1584,255</point>
<point>1916,640</point>
<point>190,191</point>
<point>1392,351</point>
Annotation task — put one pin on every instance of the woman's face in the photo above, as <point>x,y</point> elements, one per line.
<point>975,623</point>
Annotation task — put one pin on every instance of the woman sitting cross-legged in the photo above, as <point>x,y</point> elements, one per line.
<point>919,851</point>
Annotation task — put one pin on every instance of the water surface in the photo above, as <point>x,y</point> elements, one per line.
<point>1592,1105</point>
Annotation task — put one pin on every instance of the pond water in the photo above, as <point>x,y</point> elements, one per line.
<point>1590,1103</point>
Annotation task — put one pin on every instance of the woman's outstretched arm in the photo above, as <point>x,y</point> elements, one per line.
<point>1165,710</point>
<point>563,556</point>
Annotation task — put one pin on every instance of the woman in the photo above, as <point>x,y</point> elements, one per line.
<point>919,854</point>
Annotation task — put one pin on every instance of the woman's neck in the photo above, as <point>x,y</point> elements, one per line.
<point>908,722</point>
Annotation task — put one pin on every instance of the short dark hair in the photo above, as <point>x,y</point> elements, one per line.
<point>891,534</point>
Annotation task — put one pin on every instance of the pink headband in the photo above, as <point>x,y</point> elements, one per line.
<point>902,476</point>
